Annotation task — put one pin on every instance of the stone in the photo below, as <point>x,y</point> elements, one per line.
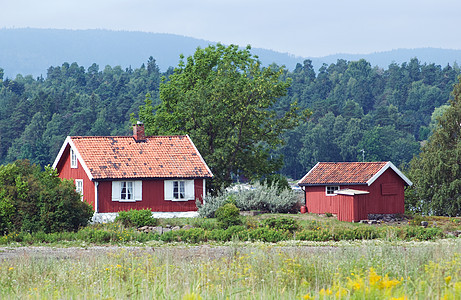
<point>186,227</point>
<point>158,229</point>
<point>424,224</point>
<point>175,228</point>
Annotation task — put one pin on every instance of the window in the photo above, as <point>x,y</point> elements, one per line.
<point>179,190</point>
<point>73,159</point>
<point>330,190</point>
<point>126,191</point>
<point>79,187</point>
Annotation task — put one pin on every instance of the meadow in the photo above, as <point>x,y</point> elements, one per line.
<point>114,262</point>
<point>240,270</point>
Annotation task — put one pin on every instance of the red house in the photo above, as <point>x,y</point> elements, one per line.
<point>118,173</point>
<point>353,190</point>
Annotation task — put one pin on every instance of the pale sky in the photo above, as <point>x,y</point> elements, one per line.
<point>303,28</point>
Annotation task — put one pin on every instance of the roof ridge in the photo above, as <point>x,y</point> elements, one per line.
<point>126,136</point>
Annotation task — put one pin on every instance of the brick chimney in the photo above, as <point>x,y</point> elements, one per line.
<point>138,132</point>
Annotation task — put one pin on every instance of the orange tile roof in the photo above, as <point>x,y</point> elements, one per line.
<point>109,157</point>
<point>342,173</point>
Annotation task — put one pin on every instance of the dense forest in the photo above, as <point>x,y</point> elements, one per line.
<point>360,112</point>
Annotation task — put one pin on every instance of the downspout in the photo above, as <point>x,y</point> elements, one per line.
<point>96,200</point>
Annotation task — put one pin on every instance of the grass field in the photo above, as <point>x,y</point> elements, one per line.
<point>114,262</point>
<point>237,270</point>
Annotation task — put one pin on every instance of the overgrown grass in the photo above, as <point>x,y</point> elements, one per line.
<point>349,270</point>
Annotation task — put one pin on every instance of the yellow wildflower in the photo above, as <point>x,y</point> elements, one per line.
<point>192,296</point>
<point>373,277</point>
<point>387,283</point>
<point>448,280</point>
<point>307,296</point>
<point>341,293</point>
<point>325,292</point>
<point>356,284</point>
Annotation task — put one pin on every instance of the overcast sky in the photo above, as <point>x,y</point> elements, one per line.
<point>305,28</point>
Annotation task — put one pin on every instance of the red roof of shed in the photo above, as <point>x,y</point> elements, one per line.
<point>109,157</point>
<point>326,173</point>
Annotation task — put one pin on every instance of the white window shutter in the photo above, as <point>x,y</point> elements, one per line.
<point>190,190</point>
<point>115,190</point>
<point>168,189</point>
<point>138,190</point>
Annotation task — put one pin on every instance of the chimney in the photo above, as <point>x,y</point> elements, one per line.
<point>138,132</point>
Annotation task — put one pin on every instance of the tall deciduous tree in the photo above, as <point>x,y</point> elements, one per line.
<point>436,172</point>
<point>223,99</point>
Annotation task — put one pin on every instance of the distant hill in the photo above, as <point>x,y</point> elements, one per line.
<point>31,51</point>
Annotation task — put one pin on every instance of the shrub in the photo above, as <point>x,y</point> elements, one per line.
<point>321,235</point>
<point>136,218</point>
<point>192,235</point>
<point>263,197</point>
<point>269,235</point>
<point>212,203</point>
<point>282,223</point>
<point>39,201</point>
<point>228,215</point>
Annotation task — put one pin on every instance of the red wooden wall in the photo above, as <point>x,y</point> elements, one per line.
<point>386,197</point>
<point>352,208</point>
<point>152,198</point>
<point>318,202</point>
<point>65,171</point>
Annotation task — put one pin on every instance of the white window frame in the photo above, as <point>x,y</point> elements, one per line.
<point>73,159</point>
<point>179,190</point>
<point>330,190</point>
<point>79,187</point>
<point>127,191</point>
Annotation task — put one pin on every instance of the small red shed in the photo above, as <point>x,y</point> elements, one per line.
<point>119,173</point>
<point>353,190</point>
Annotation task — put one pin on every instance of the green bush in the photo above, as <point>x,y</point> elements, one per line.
<point>212,203</point>
<point>269,235</point>
<point>136,218</point>
<point>228,215</point>
<point>321,235</point>
<point>39,201</point>
<point>282,223</point>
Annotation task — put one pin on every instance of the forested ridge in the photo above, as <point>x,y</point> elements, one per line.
<point>359,111</point>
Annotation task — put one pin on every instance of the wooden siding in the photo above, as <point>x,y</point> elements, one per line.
<point>352,208</point>
<point>386,197</point>
<point>318,202</point>
<point>152,198</point>
<point>66,172</point>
